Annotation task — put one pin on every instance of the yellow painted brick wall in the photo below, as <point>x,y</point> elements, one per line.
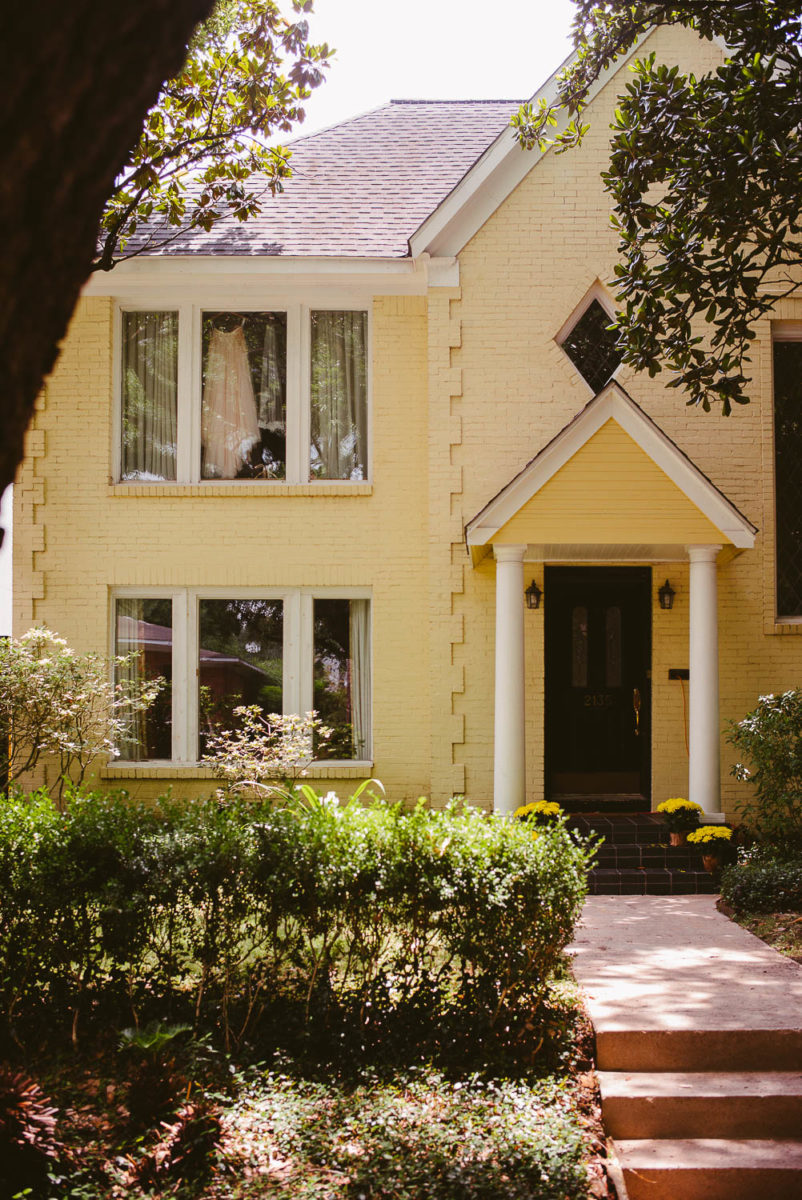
<point>522,275</point>
<point>88,537</point>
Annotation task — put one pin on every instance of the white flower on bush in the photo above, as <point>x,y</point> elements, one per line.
<point>265,747</point>
<point>56,702</point>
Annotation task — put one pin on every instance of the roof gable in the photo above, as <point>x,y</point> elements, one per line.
<point>496,173</point>
<point>601,454</point>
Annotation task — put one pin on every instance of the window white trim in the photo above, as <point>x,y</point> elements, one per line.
<point>189,384</point>
<point>298,654</point>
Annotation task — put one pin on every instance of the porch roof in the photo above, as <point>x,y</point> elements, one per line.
<point>610,486</point>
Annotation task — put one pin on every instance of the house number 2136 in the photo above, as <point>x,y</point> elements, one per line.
<point>598,700</point>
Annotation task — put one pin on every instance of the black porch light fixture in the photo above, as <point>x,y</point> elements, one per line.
<point>666,595</point>
<point>533,594</point>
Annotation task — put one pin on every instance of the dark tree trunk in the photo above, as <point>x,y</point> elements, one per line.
<point>78,78</point>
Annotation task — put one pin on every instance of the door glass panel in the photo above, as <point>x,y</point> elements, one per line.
<point>612,631</point>
<point>579,647</point>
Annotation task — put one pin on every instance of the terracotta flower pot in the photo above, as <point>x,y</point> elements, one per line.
<point>678,837</point>
<point>711,862</point>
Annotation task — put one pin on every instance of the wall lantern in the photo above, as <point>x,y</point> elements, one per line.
<point>666,594</point>
<point>533,594</point>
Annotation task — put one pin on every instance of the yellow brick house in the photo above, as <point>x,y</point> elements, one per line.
<point>373,452</point>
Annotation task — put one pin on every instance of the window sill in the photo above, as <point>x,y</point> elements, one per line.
<point>323,770</point>
<point>268,487</point>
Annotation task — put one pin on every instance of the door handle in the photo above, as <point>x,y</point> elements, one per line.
<point>636,709</point>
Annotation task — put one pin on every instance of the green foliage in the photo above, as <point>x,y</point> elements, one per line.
<point>337,915</point>
<point>422,1137</point>
<point>770,737</point>
<point>203,154</point>
<point>763,880</point>
<point>703,176</point>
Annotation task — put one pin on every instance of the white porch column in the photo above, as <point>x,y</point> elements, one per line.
<point>509,770</point>
<point>704,771</point>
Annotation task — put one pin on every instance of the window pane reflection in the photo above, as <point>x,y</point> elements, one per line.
<point>144,634</point>
<point>240,660</point>
<point>342,676</point>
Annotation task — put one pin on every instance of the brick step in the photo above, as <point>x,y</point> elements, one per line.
<point>711,1168</point>
<point>652,881</point>
<point>623,857</point>
<point>725,1104</point>
<point>639,829</point>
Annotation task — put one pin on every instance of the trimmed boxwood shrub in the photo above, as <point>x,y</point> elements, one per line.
<point>227,909</point>
<point>763,882</point>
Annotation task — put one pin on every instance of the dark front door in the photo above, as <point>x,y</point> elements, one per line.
<point>598,654</point>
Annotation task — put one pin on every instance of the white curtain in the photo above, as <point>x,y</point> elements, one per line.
<point>339,395</point>
<point>150,395</point>
<point>133,747</point>
<point>359,633</point>
<point>271,392</point>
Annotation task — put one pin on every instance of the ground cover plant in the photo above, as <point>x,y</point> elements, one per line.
<point>401,961</point>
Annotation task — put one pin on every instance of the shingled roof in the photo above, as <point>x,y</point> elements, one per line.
<point>361,188</point>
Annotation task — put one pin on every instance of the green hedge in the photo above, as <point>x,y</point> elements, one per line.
<point>763,881</point>
<point>231,909</point>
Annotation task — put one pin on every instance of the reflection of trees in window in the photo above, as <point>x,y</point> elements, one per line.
<point>149,395</point>
<point>244,410</point>
<point>788,475</point>
<point>144,631</point>
<point>240,660</point>
<point>342,675</point>
<point>339,395</point>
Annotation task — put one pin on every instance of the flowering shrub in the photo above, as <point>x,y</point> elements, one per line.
<point>680,814</point>
<point>56,702</point>
<point>539,812</point>
<point>265,749</point>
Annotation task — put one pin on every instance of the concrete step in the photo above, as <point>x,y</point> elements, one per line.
<point>711,1169</point>
<point>692,1050</point>
<point>725,1104</point>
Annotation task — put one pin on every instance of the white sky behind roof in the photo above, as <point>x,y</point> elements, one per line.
<point>434,50</point>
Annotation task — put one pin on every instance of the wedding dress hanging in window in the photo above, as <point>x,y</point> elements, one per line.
<point>229,425</point>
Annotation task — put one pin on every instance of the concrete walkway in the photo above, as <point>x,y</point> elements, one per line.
<point>699,1048</point>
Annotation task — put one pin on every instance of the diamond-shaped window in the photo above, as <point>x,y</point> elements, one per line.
<point>591,347</point>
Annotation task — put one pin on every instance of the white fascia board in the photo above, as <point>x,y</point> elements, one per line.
<point>497,173</point>
<point>388,276</point>
<point>612,403</point>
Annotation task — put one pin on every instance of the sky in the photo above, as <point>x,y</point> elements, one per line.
<point>434,50</point>
<point>415,50</point>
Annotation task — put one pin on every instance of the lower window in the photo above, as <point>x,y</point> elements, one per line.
<point>289,652</point>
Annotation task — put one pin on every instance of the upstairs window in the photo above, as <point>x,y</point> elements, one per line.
<point>788,474</point>
<point>591,345</point>
<point>220,395</point>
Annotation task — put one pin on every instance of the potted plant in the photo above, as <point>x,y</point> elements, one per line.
<point>681,816</point>
<point>714,841</point>
<point>539,812</point>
